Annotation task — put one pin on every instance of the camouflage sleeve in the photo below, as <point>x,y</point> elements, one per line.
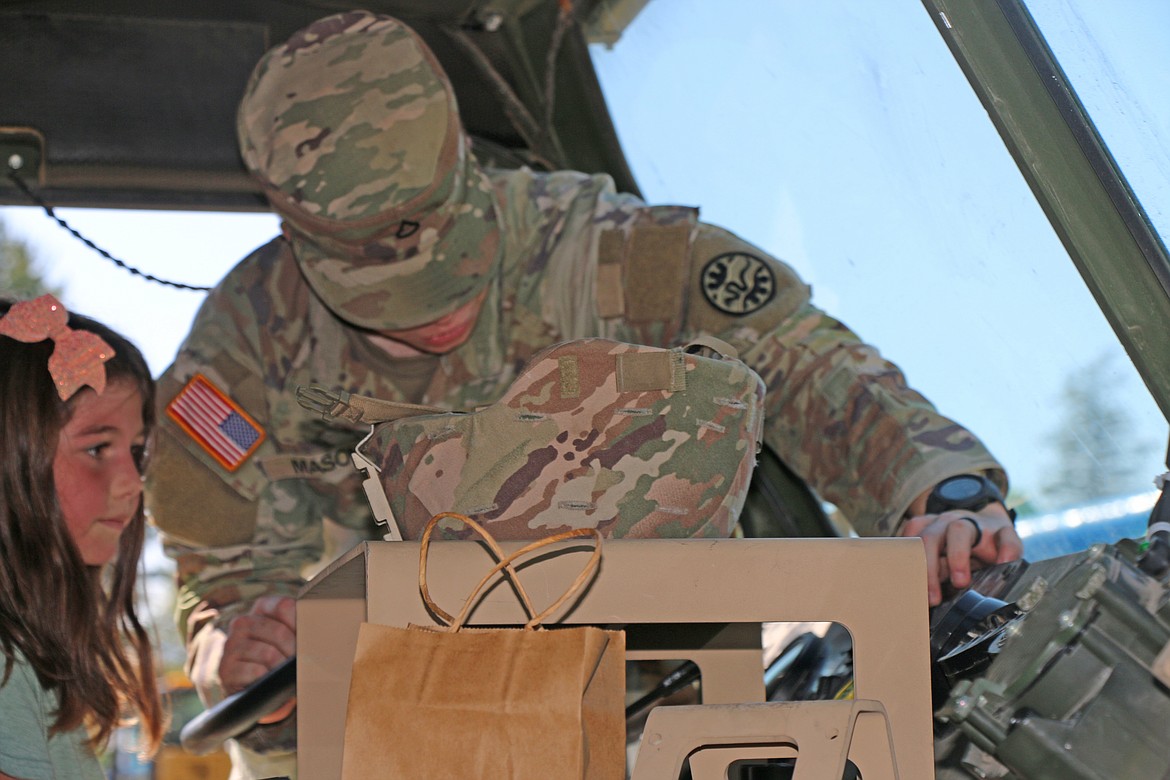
<point>838,413</point>
<point>234,534</point>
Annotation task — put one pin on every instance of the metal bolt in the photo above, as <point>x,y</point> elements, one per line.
<point>492,21</point>
<point>1097,578</point>
<point>1035,592</point>
<point>1068,619</point>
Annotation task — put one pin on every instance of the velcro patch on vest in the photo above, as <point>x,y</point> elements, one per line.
<point>215,422</point>
<point>611,299</point>
<point>656,272</point>
<point>640,372</point>
<point>570,374</point>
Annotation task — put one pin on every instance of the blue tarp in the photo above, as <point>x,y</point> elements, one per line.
<point>1077,528</point>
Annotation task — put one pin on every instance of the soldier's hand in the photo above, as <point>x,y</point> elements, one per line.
<point>256,643</point>
<point>956,537</point>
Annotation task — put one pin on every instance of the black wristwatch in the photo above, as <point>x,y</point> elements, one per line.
<point>965,491</point>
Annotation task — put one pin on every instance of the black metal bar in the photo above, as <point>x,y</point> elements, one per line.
<point>240,711</point>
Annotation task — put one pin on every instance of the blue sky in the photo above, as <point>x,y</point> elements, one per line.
<point>838,136</point>
<point>842,138</point>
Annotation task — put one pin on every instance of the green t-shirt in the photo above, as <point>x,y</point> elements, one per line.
<point>26,750</point>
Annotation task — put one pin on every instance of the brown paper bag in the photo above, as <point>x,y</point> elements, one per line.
<point>460,702</point>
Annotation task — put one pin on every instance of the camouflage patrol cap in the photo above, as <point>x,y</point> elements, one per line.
<point>351,126</point>
<point>633,441</point>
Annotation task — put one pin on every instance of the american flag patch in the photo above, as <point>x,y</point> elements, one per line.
<point>215,422</point>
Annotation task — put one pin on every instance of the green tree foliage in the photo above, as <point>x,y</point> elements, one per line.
<point>1098,451</point>
<point>20,279</point>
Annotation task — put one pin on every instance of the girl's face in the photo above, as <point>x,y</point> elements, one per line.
<point>96,468</point>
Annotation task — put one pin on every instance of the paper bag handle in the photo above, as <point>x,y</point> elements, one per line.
<point>505,563</point>
<point>537,619</point>
<point>492,545</point>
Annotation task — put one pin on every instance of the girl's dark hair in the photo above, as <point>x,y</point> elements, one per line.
<point>75,624</point>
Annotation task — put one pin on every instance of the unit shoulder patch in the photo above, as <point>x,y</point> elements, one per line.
<point>738,283</point>
<point>216,422</point>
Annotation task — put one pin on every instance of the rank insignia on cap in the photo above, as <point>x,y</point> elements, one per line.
<point>738,283</point>
<point>215,422</point>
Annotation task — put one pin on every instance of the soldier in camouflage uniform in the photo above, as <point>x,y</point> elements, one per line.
<point>407,272</point>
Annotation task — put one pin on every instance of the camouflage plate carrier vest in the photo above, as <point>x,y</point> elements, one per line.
<point>633,441</point>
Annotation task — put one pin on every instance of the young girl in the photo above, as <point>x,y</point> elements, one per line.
<point>76,408</point>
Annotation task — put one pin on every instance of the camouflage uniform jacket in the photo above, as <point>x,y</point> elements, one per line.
<point>579,260</point>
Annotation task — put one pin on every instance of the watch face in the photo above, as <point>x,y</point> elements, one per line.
<point>959,489</point>
<point>965,491</point>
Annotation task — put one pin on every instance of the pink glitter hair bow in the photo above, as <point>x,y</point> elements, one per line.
<point>78,357</point>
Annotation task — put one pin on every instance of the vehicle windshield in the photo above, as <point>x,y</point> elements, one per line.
<point>1116,58</point>
<point>844,139</point>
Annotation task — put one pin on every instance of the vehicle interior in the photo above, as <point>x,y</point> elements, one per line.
<point>981,189</point>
